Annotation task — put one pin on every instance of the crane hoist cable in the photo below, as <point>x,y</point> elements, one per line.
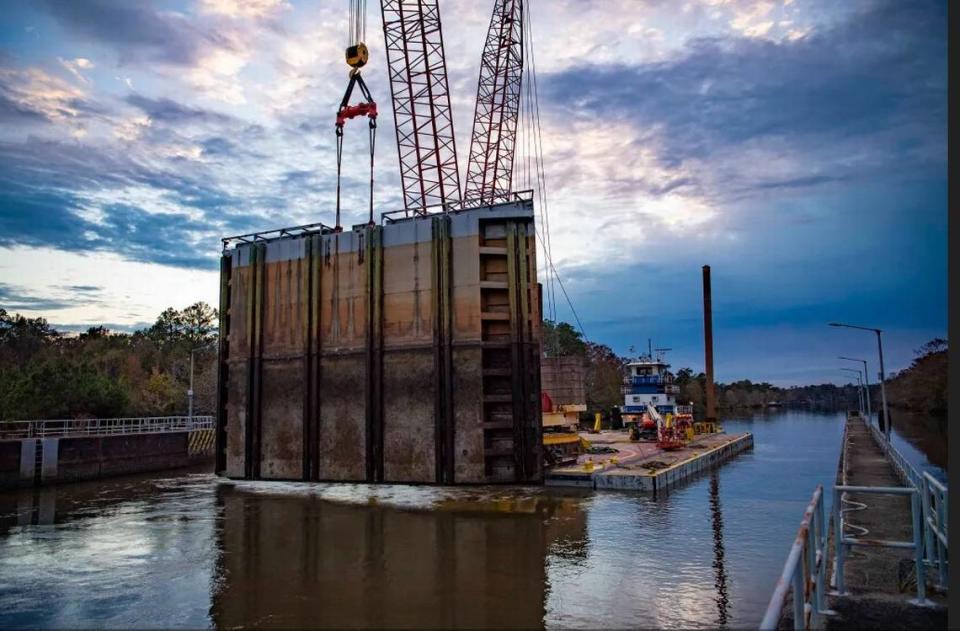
<point>357,56</point>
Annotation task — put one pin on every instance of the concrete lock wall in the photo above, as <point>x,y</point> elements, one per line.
<point>562,379</point>
<point>407,352</point>
<point>35,461</point>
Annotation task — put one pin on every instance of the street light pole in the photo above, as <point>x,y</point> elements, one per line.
<point>866,379</point>
<point>883,388</point>
<point>888,423</point>
<point>190,391</point>
<point>860,386</point>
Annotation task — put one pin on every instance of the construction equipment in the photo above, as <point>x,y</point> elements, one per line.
<point>561,440</point>
<point>490,165</point>
<point>357,56</point>
<point>669,435</point>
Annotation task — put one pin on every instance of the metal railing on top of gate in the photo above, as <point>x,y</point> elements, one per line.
<point>48,428</point>
<point>804,573</point>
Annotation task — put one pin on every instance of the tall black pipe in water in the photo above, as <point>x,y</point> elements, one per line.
<point>711,411</point>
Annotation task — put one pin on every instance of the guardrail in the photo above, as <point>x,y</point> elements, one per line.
<point>907,472</point>
<point>804,573</point>
<point>933,495</point>
<point>48,428</point>
<point>934,501</point>
<point>843,542</point>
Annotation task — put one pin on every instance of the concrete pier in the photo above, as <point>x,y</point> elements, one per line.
<point>642,466</point>
<point>879,582</point>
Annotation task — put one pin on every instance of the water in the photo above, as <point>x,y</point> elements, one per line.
<point>190,550</point>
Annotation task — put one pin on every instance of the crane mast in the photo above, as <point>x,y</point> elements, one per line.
<point>490,165</point>
<point>417,72</point>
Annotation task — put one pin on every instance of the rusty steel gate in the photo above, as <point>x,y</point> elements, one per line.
<point>407,352</point>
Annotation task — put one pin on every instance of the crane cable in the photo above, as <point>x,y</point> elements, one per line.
<point>532,144</point>
<point>356,56</point>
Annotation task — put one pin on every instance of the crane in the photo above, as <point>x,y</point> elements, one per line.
<point>357,56</point>
<point>490,165</point>
<point>420,94</point>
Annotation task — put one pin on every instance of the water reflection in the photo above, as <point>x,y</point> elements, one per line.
<point>193,551</point>
<point>299,561</point>
<point>721,574</point>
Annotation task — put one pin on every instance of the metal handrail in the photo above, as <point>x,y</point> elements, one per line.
<point>47,428</point>
<point>804,573</point>
<point>393,216</point>
<point>842,541</point>
<point>934,501</point>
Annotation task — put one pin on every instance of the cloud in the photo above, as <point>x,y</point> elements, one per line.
<point>829,96</point>
<point>16,298</point>
<point>135,30</point>
<point>75,66</point>
<point>169,111</point>
<point>244,8</point>
<point>32,95</point>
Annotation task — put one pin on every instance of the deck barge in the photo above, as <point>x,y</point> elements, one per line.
<point>642,466</point>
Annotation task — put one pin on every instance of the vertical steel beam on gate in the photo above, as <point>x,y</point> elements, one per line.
<point>442,309</point>
<point>373,256</point>
<point>256,304</point>
<point>223,351</point>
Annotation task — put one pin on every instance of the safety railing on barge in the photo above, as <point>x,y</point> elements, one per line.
<point>49,428</point>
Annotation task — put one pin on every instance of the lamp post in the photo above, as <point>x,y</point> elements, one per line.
<point>859,383</point>
<point>190,391</point>
<point>866,379</point>
<point>883,389</point>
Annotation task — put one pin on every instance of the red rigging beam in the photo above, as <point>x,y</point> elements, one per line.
<point>490,167</point>
<point>421,102</point>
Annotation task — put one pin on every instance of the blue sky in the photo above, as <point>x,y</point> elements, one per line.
<point>798,147</point>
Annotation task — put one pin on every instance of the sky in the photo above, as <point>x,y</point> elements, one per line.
<point>798,147</point>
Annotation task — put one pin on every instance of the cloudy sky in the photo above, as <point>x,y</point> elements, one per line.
<point>798,147</point>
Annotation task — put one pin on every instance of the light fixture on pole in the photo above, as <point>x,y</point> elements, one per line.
<point>866,380</point>
<point>859,385</point>
<point>883,389</point>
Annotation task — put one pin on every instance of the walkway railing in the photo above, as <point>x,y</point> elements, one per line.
<point>933,496</point>
<point>49,428</point>
<point>843,542</point>
<point>804,572</point>
<point>933,501</point>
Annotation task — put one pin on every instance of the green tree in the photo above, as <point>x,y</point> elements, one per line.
<point>560,340</point>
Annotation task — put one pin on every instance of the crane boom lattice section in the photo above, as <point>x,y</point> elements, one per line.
<point>421,103</point>
<point>490,166</point>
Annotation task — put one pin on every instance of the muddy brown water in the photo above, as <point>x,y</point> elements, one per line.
<point>187,549</point>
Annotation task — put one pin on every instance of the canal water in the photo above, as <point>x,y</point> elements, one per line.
<point>191,550</point>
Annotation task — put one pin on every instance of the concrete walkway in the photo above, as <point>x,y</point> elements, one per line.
<point>880,581</point>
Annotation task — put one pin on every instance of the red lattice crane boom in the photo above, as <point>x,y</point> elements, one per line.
<point>423,118</point>
<point>490,166</point>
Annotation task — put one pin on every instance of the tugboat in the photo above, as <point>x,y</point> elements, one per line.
<point>648,383</point>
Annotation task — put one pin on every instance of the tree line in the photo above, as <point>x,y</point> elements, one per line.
<point>45,373</point>
<point>922,387</point>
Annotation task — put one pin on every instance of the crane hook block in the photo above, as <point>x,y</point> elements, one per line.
<point>357,55</point>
